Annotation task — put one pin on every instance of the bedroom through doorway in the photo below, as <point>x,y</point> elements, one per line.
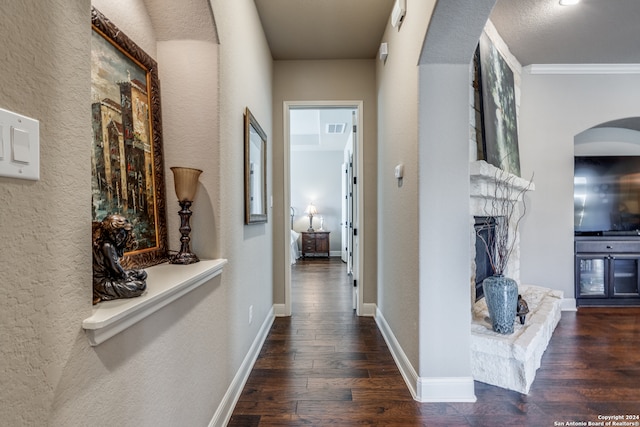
<point>323,143</point>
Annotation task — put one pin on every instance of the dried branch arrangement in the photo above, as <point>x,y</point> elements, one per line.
<point>502,212</point>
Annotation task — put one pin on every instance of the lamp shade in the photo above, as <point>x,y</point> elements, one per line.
<point>311,209</point>
<point>186,182</point>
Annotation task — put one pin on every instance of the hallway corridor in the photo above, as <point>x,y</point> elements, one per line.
<point>324,366</point>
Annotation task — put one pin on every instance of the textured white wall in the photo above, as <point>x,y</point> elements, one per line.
<point>554,109</point>
<point>189,76</point>
<point>444,222</point>
<point>428,288</point>
<point>444,201</point>
<point>45,257</point>
<point>174,367</point>
<point>245,79</point>
<point>397,84</point>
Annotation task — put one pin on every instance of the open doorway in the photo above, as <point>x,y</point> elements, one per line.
<point>323,150</point>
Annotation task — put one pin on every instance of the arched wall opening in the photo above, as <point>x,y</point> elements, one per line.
<point>443,118</point>
<point>617,137</point>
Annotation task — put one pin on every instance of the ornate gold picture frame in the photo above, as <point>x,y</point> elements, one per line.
<point>126,160</point>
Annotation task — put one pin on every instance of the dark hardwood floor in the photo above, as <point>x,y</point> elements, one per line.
<point>326,366</point>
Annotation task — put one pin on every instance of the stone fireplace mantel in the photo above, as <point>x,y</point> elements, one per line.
<point>482,179</point>
<point>508,361</point>
<point>482,176</point>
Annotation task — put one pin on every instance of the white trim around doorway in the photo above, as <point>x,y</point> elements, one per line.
<point>285,309</point>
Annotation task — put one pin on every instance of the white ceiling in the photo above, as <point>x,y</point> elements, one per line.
<point>324,29</point>
<point>537,31</point>
<point>309,129</point>
<point>182,20</point>
<point>591,32</point>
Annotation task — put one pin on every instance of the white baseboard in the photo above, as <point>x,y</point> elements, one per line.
<point>225,409</point>
<point>453,389</point>
<point>280,310</point>
<point>409,374</point>
<point>368,309</point>
<point>568,304</point>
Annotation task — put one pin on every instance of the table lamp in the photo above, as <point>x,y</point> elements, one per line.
<point>311,211</point>
<point>186,184</point>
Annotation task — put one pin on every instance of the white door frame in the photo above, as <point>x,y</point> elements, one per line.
<point>287,106</point>
<point>344,215</point>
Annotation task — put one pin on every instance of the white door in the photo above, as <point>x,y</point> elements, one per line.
<point>349,222</point>
<point>354,231</point>
<point>344,219</point>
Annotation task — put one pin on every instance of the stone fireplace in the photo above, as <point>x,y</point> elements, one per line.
<point>508,361</point>
<point>483,191</point>
<point>483,231</point>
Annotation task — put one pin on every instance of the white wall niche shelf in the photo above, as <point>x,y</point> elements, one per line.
<point>165,284</point>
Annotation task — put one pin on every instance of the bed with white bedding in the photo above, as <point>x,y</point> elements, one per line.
<point>295,252</point>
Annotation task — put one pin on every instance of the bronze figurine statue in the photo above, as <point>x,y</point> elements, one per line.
<point>523,309</point>
<point>111,238</point>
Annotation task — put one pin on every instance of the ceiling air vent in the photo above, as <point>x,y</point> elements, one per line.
<point>336,127</point>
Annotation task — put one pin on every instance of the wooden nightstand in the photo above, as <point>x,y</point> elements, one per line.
<point>315,243</point>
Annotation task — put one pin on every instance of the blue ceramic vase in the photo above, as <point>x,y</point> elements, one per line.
<point>501,294</point>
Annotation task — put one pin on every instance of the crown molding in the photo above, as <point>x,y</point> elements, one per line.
<point>582,69</point>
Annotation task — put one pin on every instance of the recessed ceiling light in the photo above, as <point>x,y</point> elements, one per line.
<point>568,2</point>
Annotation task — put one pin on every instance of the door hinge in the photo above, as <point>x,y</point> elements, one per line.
<point>355,180</point>
<point>355,283</point>
<point>355,231</point>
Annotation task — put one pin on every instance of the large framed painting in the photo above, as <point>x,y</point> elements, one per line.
<point>126,159</point>
<point>498,108</point>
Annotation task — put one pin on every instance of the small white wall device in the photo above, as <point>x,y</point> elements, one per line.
<point>383,52</point>
<point>398,12</point>
<point>19,146</point>
<point>399,171</point>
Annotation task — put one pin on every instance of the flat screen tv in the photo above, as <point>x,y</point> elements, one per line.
<point>606,195</point>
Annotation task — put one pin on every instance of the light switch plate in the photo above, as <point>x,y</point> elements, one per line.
<point>399,171</point>
<point>1,142</point>
<point>19,146</point>
<point>397,13</point>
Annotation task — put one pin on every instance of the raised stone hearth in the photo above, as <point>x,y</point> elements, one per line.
<point>511,361</point>
<point>508,361</point>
